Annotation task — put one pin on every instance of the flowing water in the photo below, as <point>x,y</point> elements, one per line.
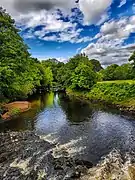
<point>93,130</point>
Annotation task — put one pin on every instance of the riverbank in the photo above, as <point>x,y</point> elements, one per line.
<point>25,155</point>
<point>117,94</point>
<point>14,108</point>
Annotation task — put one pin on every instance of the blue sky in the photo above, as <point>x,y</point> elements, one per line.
<point>102,29</point>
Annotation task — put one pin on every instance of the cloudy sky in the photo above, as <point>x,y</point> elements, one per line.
<point>103,29</point>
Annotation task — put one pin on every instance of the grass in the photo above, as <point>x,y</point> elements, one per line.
<point>15,111</point>
<point>129,103</point>
<point>118,82</point>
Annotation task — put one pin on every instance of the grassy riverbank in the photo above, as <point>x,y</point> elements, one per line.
<point>118,93</point>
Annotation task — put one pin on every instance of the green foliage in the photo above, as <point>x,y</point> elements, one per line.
<point>63,73</point>
<point>15,61</point>
<point>115,72</point>
<point>108,73</point>
<point>14,111</point>
<point>20,74</point>
<point>68,72</point>
<point>54,66</point>
<point>99,76</point>
<point>76,60</point>
<point>119,82</point>
<point>112,92</point>
<point>83,77</point>
<point>64,76</point>
<point>48,77</point>
<point>96,65</point>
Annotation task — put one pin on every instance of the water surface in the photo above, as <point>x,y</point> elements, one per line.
<point>93,129</point>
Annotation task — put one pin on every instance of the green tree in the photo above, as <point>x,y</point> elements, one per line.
<point>83,78</point>
<point>65,72</point>
<point>76,60</point>
<point>19,75</point>
<point>48,77</point>
<point>96,65</point>
<point>54,65</point>
<point>124,72</point>
<point>108,73</point>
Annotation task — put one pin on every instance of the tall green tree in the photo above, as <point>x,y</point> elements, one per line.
<point>54,65</point>
<point>83,78</point>
<point>76,60</point>
<point>124,72</point>
<point>96,65</point>
<point>19,75</point>
<point>65,72</point>
<point>109,72</point>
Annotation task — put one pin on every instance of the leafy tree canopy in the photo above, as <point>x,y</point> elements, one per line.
<point>20,74</point>
<point>83,78</point>
<point>96,65</point>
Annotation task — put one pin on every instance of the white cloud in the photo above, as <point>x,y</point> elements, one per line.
<point>122,3</point>
<point>94,10</point>
<point>46,16</point>
<point>60,59</point>
<point>109,52</point>
<point>118,29</point>
<point>78,50</point>
<point>16,7</point>
<point>8,5</point>
<point>33,13</point>
<point>51,22</point>
<point>103,18</point>
<point>36,5</point>
<point>109,47</point>
<point>70,34</point>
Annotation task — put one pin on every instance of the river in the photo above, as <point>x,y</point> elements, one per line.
<point>93,130</point>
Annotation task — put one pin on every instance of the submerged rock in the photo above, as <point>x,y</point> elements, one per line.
<point>26,156</point>
<point>113,167</point>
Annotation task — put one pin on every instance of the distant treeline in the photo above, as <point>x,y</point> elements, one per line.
<point>21,75</point>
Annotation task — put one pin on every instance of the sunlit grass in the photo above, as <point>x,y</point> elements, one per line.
<point>119,81</point>
<point>130,102</point>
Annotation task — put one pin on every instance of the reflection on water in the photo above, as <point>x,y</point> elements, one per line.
<point>98,128</point>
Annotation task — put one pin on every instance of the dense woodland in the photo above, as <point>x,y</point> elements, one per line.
<point>22,75</point>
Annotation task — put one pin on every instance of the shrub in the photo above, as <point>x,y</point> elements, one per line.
<point>112,92</point>
<point>15,111</point>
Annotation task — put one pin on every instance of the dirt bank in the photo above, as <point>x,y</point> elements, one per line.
<point>15,108</point>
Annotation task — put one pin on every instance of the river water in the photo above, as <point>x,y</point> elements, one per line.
<point>93,130</point>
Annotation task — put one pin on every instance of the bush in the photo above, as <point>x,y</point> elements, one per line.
<point>15,111</point>
<point>83,78</point>
<point>112,92</point>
